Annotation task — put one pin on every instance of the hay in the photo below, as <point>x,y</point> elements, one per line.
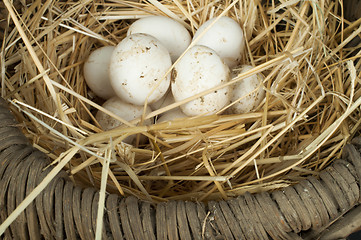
<point>310,111</point>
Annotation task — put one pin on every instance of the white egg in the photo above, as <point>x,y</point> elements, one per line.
<point>173,35</point>
<point>166,100</point>
<point>138,65</point>
<point>248,93</point>
<point>96,72</point>
<point>200,69</point>
<point>225,37</point>
<point>172,115</point>
<point>169,115</point>
<point>122,109</point>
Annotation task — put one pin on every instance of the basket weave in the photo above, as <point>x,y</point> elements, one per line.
<point>65,211</point>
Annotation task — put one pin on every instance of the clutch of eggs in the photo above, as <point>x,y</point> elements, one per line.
<point>138,69</point>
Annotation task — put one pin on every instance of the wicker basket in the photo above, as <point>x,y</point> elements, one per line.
<point>316,208</point>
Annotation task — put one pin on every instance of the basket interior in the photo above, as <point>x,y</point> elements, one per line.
<point>305,50</point>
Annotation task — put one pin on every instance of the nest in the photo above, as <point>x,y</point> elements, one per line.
<point>304,49</point>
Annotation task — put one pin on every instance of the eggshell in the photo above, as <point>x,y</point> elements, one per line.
<point>245,92</point>
<point>173,35</point>
<point>200,69</point>
<point>172,115</point>
<point>122,109</point>
<point>96,72</point>
<point>225,37</point>
<point>139,62</point>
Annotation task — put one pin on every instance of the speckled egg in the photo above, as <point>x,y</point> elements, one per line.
<point>248,93</point>
<point>138,69</point>
<point>200,69</point>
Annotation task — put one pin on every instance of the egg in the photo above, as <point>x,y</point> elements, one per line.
<point>96,72</point>
<point>173,35</point>
<point>122,109</point>
<point>199,70</point>
<point>166,100</point>
<point>169,115</point>
<point>248,93</point>
<point>225,37</point>
<point>172,115</point>
<point>138,65</point>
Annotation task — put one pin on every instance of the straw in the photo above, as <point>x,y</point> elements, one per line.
<point>310,111</point>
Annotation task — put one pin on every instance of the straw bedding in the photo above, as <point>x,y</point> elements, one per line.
<point>57,208</point>
<point>310,111</point>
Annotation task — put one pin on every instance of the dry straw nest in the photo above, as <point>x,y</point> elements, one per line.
<point>311,109</point>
